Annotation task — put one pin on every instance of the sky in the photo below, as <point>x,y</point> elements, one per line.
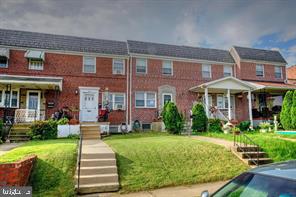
<point>266,24</point>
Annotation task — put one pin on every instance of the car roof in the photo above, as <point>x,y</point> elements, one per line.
<point>285,169</point>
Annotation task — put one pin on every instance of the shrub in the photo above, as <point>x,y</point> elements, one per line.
<point>286,110</point>
<point>63,121</point>
<point>244,125</point>
<point>293,111</point>
<point>172,118</point>
<point>44,130</point>
<point>264,125</point>
<point>199,118</point>
<point>215,125</point>
<point>1,130</point>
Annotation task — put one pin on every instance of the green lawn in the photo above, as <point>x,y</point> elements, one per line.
<point>154,160</point>
<point>276,148</point>
<point>53,173</point>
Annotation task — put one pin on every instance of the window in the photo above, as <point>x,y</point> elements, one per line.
<point>167,67</point>
<point>35,64</point>
<point>278,72</point>
<point>222,101</point>
<point>141,66</point>
<point>114,101</point>
<point>210,100</point>
<point>118,67</point>
<point>260,70</point>
<point>3,62</point>
<point>10,99</point>
<point>206,71</point>
<point>166,97</point>
<point>89,64</point>
<point>227,70</point>
<point>145,99</point>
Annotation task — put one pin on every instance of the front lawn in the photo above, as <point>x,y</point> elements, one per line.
<point>276,148</point>
<point>154,160</point>
<point>54,170</point>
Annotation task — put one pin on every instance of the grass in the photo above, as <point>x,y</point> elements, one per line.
<point>277,149</point>
<point>154,160</point>
<point>53,172</point>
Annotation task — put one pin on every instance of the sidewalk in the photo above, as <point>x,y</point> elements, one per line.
<point>8,146</point>
<point>221,142</point>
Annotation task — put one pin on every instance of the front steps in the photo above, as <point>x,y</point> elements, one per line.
<point>98,170</point>
<point>19,133</point>
<point>90,131</point>
<point>248,154</point>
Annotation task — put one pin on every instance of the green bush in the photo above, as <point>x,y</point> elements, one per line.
<point>63,121</point>
<point>293,111</point>
<point>1,130</point>
<point>199,118</point>
<point>44,130</point>
<point>244,125</point>
<point>215,125</point>
<point>172,118</point>
<point>286,110</point>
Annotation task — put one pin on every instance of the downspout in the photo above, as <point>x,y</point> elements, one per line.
<point>130,95</point>
<point>127,97</point>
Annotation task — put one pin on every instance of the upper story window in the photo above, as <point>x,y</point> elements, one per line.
<point>36,59</point>
<point>145,99</point>
<point>278,72</point>
<point>167,67</point>
<point>227,70</point>
<point>89,64</point>
<point>260,70</point>
<point>141,66</point>
<point>4,56</point>
<point>115,101</point>
<point>206,71</point>
<point>35,64</point>
<point>118,67</point>
<point>10,99</point>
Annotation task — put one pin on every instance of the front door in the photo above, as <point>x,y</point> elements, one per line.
<point>89,104</point>
<point>33,105</point>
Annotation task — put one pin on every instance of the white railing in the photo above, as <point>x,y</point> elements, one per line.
<point>28,115</point>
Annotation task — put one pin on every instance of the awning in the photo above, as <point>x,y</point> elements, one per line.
<point>4,52</point>
<point>272,85</point>
<point>48,83</point>
<point>35,54</point>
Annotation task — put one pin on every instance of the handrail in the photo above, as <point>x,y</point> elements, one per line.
<point>242,140</point>
<point>79,159</point>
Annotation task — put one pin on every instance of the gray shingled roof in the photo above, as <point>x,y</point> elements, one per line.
<point>61,42</point>
<point>149,48</point>
<point>259,54</point>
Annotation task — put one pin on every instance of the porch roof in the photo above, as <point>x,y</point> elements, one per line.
<point>272,85</point>
<point>234,84</point>
<point>32,81</point>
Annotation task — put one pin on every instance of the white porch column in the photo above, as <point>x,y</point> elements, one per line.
<point>250,107</point>
<point>229,107</point>
<point>207,101</point>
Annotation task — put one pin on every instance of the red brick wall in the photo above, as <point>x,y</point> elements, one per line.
<point>17,173</point>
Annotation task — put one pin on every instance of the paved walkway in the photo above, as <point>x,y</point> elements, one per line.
<point>184,191</point>
<point>227,144</point>
<point>7,147</point>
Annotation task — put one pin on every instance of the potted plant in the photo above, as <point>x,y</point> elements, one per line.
<point>264,127</point>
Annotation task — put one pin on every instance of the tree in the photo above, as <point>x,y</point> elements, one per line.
<point>172,118</point>
<point>199,118</point>
<point>286,110</point>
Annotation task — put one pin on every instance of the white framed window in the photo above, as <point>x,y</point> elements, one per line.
<point>206,71</point>
<point>210,100</point>
<point>141,66</point>
<point>167,67</point>
<point>116,101</point>
<point>167,97</point>
<point>3,62</point>
<point>145,99</point>
<point>222,101</point>
<point>35,64</point>
<point>118,67</point>
<point>89,64</point>
<point>260,70</point>
<point>278,73</point>
<point>11,99</point>
<point>227,70</point>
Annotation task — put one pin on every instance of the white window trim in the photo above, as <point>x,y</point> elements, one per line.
<point>280,70</point>
<point>39,98</point>
<point>113,100</point>
<point>95,65</point>
<point>2,104</point>
<point>227,66</point>
<point>172,68</point>
<point>6,63</point>
<point>30,66</point>
<point>210,66</point>
<point>145,99</point>
<point>224,100</point>
<point>163,94</point>
<point>123,71</point>
<point>146,65</point>
<point>263,70</point>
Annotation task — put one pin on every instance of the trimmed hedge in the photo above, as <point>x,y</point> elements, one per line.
<point>172,118</point>
<point>199,118</point>
<point>286,111</point>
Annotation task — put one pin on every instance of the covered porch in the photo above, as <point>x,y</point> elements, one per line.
<point>27,98</point>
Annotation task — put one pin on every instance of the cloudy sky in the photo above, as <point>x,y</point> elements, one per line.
<point>218,24</point>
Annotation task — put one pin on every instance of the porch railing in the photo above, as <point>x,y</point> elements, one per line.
<point>28,115</point>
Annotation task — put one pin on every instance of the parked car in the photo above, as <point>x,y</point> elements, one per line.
<point>272,180</point>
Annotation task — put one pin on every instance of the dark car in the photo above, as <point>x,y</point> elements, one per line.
<point>273,180</point>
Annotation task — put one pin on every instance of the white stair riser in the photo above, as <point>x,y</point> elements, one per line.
<point>98,156</point>
<point>98,163</point>
<point>107,188</point>
<point>98,171</point>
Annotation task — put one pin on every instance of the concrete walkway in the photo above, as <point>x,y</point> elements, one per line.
<point>184,191</point>
<point>4,148</point>
<point>227,144</point>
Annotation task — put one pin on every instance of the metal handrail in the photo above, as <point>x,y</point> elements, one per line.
<point>240,139</point>
<point>79,159</point>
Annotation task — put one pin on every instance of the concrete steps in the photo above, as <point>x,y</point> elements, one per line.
<point>19,133</point>
<point>249,155</point>
<point>90,131</point>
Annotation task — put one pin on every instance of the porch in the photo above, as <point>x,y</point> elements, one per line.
<point>26,98</point>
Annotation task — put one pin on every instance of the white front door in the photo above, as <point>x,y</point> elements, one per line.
<point>33,105</point>
<point>89,104</point>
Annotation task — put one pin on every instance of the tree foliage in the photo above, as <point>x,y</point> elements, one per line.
<point>285,114</point>
<point>172,118</point>
<point>199,118</point>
